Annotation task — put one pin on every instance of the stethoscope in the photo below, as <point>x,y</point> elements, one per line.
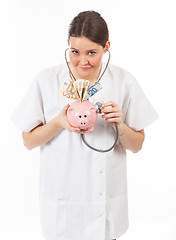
<point>98,104</point>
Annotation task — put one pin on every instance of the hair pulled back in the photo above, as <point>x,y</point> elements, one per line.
<point>91,25</point>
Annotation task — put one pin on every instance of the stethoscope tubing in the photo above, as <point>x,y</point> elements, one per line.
<point>82,135</point>
<point>102,150</point>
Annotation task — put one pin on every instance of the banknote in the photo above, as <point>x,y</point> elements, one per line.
<point>68,90</point>
<point>81,87</point>
<point>93,90</point>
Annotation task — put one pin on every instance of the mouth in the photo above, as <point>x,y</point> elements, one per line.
<point>85,68</point>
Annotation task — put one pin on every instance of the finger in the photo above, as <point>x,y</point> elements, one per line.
<point>85,131</point>
<point>75,130</point>
<point>110,109</point>
<point>66,108</point>
<point>72,129</point>
<point>78,130</point>
<point>111,120</point>
<point>112,115</point>
<point>110,103</point>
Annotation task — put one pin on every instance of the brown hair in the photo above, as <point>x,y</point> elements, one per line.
<point>91,25</point>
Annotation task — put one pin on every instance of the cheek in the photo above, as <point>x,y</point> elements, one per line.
<point>73,60</point>
<point>96,61</point>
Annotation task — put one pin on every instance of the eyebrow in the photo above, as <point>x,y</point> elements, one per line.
<point>87,50</point>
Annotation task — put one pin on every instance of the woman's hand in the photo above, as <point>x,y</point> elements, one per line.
<point>129,138</point>
<point>62,122</point>
<point>112,113</point>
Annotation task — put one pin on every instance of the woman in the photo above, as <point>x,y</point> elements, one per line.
<point>83,193</point>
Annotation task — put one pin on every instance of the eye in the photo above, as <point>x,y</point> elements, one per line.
<point>75,52</point>
<point>91,53</point>
<point>80,116</point>
<point>85,115</point>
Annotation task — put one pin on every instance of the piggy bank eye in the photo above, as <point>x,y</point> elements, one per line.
<point>85,115</point>
<point>79,116</point>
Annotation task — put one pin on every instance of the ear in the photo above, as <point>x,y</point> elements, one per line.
<point>107,46</point>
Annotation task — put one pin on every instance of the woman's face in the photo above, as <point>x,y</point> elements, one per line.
<point>86,56</point>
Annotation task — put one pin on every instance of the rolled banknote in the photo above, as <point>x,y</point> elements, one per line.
<point>81,86</point>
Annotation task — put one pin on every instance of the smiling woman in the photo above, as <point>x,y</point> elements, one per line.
<point>86,58</point>
<point>88,40</point>
<point>83,193</point>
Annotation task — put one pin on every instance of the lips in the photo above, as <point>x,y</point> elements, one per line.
<point>85,68</point>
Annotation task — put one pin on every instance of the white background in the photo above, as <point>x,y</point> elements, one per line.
<point>143,41</point>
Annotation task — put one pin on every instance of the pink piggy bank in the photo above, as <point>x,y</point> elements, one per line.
<point>82,114</point>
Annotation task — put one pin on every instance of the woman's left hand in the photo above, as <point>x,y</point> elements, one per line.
<point>112,113</point>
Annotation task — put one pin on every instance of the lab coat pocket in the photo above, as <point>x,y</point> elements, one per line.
<point>75,220</point>
<point>52,213</point>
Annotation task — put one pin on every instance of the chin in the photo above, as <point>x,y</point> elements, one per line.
<point>85,76</point>
<point>85,73</point>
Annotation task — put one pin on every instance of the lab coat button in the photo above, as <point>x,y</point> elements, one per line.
<point>101,172</point>
<point>101,194</point>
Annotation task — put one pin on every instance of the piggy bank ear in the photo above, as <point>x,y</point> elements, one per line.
<point>93,109</point>
<point>71,111</point>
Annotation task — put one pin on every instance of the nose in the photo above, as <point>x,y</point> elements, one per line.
<point>83,60</point>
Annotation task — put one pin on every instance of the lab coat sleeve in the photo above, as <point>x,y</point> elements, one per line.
<point>29,112</point>
<point>140,113</point>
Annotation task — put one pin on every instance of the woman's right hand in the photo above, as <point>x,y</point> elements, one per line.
<point>62,122</point>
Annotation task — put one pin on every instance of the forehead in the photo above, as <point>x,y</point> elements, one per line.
<point>83,43</point>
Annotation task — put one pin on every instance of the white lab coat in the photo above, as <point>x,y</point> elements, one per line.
<point>83,193</point>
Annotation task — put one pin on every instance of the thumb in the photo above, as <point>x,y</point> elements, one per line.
<point>66,108</point>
